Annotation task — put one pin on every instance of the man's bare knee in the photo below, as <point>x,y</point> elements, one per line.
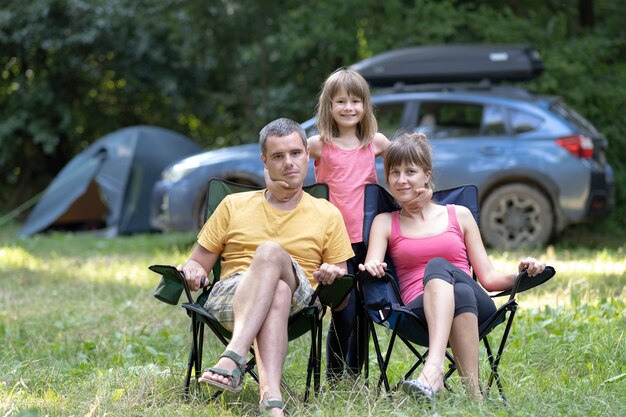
<point>270,251</point>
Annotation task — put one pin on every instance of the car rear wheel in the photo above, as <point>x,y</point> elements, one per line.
<point>516,215</point>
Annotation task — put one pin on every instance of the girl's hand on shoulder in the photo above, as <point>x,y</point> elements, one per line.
<point>375,268</point>
<point>533,266</point>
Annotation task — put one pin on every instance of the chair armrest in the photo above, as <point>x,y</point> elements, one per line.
<point>524,282</point>
<point>172,284</point>
<point>334,294</point>
<point>379,292</point>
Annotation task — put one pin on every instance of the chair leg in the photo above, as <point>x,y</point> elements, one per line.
<point>200,348</point>
<point>379,359</point>
<point>451,368</point>
<point>318,358</point>
<point>366,351</point>
<point>363,338</point>
<point>193,354</point>
<point>494,375</point>
<point>312,363</point>
<point>190,364</point>
<point>385,365</point>
<point>494,362</point>
<point>420,360</point>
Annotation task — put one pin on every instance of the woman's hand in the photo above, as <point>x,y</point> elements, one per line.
<point>375,268</point>
<point>533,266</point>
<point>279,189</point>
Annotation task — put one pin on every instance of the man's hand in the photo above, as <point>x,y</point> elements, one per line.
<point>327,273</point>
<point>279,189</point>
<point>421,199</point>
<point>374,268</point>
<point>194,274</point>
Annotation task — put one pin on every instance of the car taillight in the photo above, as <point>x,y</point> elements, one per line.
<point>578,145</point>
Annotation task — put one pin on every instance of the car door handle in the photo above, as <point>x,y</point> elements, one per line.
<point>491,150</point>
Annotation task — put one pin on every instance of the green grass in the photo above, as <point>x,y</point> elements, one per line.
<point>81,335</point>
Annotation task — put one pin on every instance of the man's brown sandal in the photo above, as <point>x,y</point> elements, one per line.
<point>235,376</point>
<point>266,405</point>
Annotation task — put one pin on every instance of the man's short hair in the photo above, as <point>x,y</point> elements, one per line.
<point>280,128</point>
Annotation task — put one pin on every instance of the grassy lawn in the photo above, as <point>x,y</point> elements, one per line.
<point>81,335</point>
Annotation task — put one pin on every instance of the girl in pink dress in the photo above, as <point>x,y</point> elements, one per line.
<point>345,151</point>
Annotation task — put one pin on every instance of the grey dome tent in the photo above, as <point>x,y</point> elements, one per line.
<point>110,182</point>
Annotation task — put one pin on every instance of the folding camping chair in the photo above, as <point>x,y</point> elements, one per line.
<point>306,320</point>
<point>381,296</point>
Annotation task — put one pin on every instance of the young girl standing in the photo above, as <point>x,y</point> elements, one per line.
<point>345,151</point>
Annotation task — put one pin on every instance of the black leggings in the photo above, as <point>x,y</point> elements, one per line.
<point>469,296</point>
<point>347,334</point>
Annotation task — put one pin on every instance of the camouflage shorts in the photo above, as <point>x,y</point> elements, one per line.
<point>220,301</point>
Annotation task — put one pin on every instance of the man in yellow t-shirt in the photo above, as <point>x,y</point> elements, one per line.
<point>275,246</point>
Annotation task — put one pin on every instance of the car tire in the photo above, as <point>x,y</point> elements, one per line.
<point>516,215</point>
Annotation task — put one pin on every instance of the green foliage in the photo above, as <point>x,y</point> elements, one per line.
<point>75,70</point>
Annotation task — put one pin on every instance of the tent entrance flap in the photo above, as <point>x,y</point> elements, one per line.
<point>87,212</point>
<point>65,189</point>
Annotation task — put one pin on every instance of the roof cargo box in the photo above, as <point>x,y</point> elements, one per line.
<point>451,63</point>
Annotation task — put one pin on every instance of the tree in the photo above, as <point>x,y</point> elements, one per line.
<point>75,70</point>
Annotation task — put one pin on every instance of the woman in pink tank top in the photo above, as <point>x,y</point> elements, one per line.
<point>430,247</point>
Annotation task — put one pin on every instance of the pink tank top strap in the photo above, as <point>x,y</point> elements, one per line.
<point>453,221</point>
<point>395,224</point>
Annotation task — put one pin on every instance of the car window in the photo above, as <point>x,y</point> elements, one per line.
<point>573,117</point>
<point>450,119</point>
<point>523,122</point>
<point>389,117</point>
<point>493,121</point>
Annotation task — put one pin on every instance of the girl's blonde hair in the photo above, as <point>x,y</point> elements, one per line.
<point>355,85</point>
<point>410,148</point>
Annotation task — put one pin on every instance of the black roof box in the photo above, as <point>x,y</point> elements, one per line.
<point>451,63</point>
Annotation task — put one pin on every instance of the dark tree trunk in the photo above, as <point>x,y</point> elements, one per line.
<point>585,12</point>
<point>517,8</point>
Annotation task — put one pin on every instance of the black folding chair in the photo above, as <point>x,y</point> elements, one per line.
<point>309,319</point>
<point>381,296</point>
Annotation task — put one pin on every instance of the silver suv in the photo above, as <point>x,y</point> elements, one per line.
<point>539,166</point>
